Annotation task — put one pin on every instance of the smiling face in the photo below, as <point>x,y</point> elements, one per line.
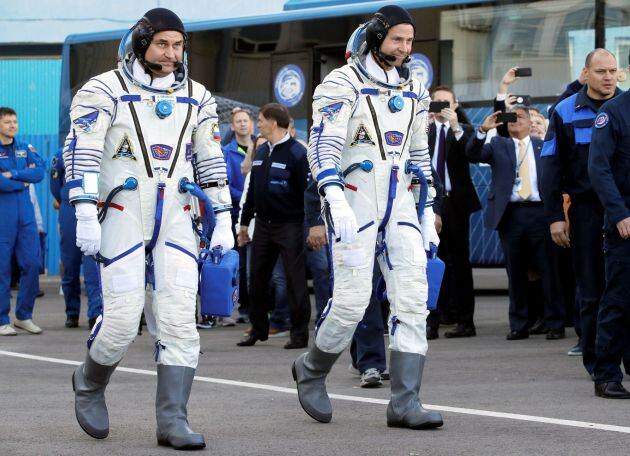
<point>398,42</point>
<point>166,49</point>
<point>539,126</point>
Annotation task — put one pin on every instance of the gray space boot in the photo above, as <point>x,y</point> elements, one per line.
<point>173,391</point>
<point>309,372</point>
<point>88,383</point>
<point>405,409</point>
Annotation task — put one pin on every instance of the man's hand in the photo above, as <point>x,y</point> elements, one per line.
<point>7,174</point>
<point>450,115</point>
<point>317,237</point>
<point>243,236</point>
<point>438,223</point>
<point>222,234</point>
<point>560,234</point>
<point>623,227</point>
<point>344,220</point>
<point>88,228</point>
<point>510,101</point>
<point>490,122</point>
<point>508,78</point>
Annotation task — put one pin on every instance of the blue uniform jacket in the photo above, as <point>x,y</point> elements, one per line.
<point>233,159</point>
<point>15,202</point>
<point>500,153</point>
<point>57,178</point>
<point>565,153</point>
<point>609,159</point>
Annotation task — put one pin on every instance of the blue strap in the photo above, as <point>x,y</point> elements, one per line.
<point>107,261</point>
<point>411,95</point>
<point>158,218</point>
<point>327,173</point>
<point>189,100</point>
<point>181,249</point>
<point>405,94</point>
<point>74,184</point>
<point>371,91</point>
<point>130,98</point>
<point>393,181</point>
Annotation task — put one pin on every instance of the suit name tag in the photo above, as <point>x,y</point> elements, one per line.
<point>257,163</point>
<point>518,184</point>
<point>278,165</point>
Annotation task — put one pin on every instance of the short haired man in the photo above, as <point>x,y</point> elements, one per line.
<point>608,168</point>
<point>146,127</point>
<point>20,166</point>
<point>276,198</point>
<point>368,152</point>
<point>564,170</point>
<point>516,212</point>
<point>447,144</point>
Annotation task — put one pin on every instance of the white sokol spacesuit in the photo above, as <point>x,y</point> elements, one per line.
<point>126,124</point>
<point>369,126</point>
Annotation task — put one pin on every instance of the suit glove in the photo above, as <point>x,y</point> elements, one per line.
<point>88,228</point>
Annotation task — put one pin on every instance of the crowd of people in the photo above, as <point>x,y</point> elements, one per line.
<point>288,207</point>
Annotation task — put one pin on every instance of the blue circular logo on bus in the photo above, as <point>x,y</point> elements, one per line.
<point>289,85</point>
<point>421,69</point>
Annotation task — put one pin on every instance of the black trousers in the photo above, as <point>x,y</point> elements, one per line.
<point>613,320</point>
<point>586,218</point>
<point>287,241</point>
<point>457,297</point>
<point>524,234</point>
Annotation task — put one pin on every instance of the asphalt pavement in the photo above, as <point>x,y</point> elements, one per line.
<point>497,397</point>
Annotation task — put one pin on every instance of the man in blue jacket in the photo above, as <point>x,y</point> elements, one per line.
<point>20,166</point>
<point>608,168</point>
<point>564,163</point>
<point>71,255</point>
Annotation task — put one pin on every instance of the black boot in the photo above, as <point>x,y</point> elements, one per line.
<point>309,372</point>
<point>405,409</point>
<point>173,391</point>
<point>88,382</point>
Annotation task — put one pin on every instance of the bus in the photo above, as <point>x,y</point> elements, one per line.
<point>283,56</point>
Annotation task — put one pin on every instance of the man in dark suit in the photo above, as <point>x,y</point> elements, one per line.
<point>447,143</point>
<point>516,211</point>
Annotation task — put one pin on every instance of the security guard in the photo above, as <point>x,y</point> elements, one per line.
<point>71,255</point>
<point>564,170</point>
<point>608,168</point>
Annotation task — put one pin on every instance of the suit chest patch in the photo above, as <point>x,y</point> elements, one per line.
<point>361,136</point>
<point>161,151</point>
<point>21,153</point>
<point>394,138</point>
<point>125,149</point>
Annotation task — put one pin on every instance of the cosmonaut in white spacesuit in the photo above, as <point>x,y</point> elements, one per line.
<point>369,131</point>
<point>145,125</point>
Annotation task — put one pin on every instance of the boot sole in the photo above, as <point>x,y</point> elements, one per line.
<point>429,425</point>
<point>300,399</point>
<point>98,437</point>
<point>166,443</point>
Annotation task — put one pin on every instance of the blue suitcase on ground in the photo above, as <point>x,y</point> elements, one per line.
<point>219,281</point>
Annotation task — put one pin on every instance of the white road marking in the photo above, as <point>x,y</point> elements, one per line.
<point>343,397</point>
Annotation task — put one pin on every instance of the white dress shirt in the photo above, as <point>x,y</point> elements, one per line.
<point>458,135</point>
<point>284,139</point>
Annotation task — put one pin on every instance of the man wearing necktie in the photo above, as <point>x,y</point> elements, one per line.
<point>447,143</point>
<point>516,211</point>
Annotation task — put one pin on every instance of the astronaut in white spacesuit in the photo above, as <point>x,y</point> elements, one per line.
<point>145,125</point>
<point>369,131</point>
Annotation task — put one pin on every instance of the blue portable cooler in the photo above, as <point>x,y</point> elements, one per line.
<point>219,282</point>
<point>435,273</point>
